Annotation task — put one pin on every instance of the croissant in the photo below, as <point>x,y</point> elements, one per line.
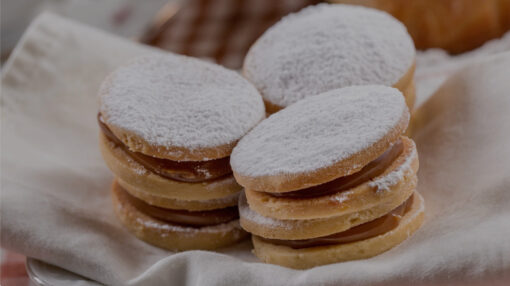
<point>453,25</point>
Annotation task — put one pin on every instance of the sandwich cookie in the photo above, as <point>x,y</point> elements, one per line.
<point>330,178</point>
<point>330,46</point>
<point>168,125</point>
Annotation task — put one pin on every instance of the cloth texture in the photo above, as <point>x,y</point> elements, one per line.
<point>55,203</point>
<point>219,30</point>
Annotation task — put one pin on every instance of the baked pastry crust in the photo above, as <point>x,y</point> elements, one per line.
<point>170,203</point>
<point>175,153</point>
<point>367,56</point>
<point>170,236</point>
<point>406,85</point>
<point>269,227</point>
<point>314,256</point>
<point>453,25</point>
<point>178,108</point>
<point>138,178</point>
<point>358,198</point>
<point>410,96</point>
<point>281,183</point>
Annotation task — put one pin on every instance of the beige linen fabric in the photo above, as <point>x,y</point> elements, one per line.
<point>55,203</point>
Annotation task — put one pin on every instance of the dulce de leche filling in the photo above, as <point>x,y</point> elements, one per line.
<point>185,171</point>
<point>183,217</point>
<point>364,231</point>
<point>370,171</point>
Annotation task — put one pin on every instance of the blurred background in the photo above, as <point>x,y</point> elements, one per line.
<point>223,30</point>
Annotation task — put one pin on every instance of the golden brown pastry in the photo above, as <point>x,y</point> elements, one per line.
<point>453,25</point>
<point>325,47</point>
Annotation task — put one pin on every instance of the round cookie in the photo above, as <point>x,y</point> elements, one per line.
<point>314,256</point>
<point>396,183</point>
<point>320,138</point>
<point>325,47</point>
<point>138,179</point>
<point>172,236</point>
<point>179,108</point>
<point>271,227</point>
<point>170,203</point>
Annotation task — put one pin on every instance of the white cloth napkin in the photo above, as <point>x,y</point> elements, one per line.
<point>55,203</point>
<point>434,66</point>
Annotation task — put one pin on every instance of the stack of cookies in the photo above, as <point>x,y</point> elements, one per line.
<point>330,178</point>
<point>168,126</point>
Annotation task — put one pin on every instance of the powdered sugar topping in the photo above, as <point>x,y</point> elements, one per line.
<point>186,230</point>
<point>319,131</point>
<point>248,214</point>
<point>177,101</point>
<point>325,47</point>
<point>341,197</point>
<point>394,177</point>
